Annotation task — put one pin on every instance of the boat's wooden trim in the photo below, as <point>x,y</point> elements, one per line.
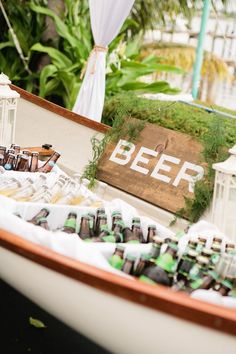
<point>60,110</point>
<point>158,298</point>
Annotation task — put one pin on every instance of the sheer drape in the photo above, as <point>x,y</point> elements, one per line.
<point>107,17</point>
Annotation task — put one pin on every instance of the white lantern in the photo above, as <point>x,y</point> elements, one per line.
<point>224,199</point>
<point>8,105</point>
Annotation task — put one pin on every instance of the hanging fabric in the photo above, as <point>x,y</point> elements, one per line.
<point>107,18</point>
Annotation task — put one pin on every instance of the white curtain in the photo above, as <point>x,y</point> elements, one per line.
<point>107,18</point>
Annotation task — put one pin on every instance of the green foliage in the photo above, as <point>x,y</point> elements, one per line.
<point>123,126</point>
<point>55,64</point>
<point>214,143</point>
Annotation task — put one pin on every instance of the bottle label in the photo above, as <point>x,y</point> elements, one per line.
<point>194,272</point>
<point>8,166</point>
<point>133,241</point>
<point>109,238</point>
<point>196,283</point>
<point>70,223</point>
<point>116,261</point>
<point>51,163</point>
<point>147,280</point>
<point>166,262</point>
<point>215,258</point>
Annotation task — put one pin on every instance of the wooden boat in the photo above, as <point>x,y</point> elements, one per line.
<point>121,315</point>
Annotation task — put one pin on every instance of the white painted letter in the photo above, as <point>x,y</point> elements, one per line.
<point>126,153</point>
<point>140,158</point>
<point>189,178</point>
<point>160,166</point>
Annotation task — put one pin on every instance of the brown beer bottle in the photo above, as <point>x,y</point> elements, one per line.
<point>226,286</point>
<point>117,259</point>
<point>43,213</point>
<point>156,247</point>
<point>10,162</point>
<point>16,148</point>
<point>142,264</point>
<point>21,163</point>
<point>84,231</point>
<point>98,213</point>
<point>201,243</point>
<point>230,248</point>
<point>101,221</point>
<point>1,160</point>
<point>137,234</point>
<point>50,163</point>
<point>70,224</point>
<point>43,223</point>
<point>34,161</point>
<point>115,216</point>
<point>128,266</point>
<point>152,232</point>
<point>128,234</point>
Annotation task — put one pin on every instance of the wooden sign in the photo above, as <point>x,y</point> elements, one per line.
<point>160,168</point>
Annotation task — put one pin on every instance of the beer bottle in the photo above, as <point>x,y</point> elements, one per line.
<point>99,211</point>
<point>43,213</point>
<point>84,231</point>
<point>142,264</point>
<point>70,223</point>
<point>156,247</point>
<point>43,223</point>
<point>155,275</point>
<point>92,223</point>
<point>16,148</point>
<point>3,153</point>
<point>128,235</point>
<point>117,259</point>
<point>137,231</point>
<point>34,161</point>
<point>1,160</point>
<point>128,266</point>
<point>104,233</point>
<point>114,238</point>
<point>185,265</point>
<point>136,220</point>
<point>207,252</point>
<point>226,286</point>
<point>217,239</point>
<point>230,248</point>
<point>21,163</point>
<point>216,248</point>
<point>168,261</point>
<point>115,216</point>
<point>197,273</point>
<point>118,226</point>
<point>50,163</point>
<point>152,232</point>
<point>210,279</point>
<point>101,220</point>
<point>137,234</point>
<point>10,162</point>
<point>201,243</point>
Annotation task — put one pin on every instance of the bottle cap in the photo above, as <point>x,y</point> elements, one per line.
<point>206,252</point>
<point>152,226</point>
<point>192,253</point>
<point>202,260</point>
<point>158,240</point>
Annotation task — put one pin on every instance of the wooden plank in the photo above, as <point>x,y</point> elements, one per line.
<point>160,179</point>
<point>42,151</point>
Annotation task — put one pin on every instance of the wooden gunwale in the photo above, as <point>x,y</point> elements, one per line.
<point>39,101</point>
<point>158,298</point>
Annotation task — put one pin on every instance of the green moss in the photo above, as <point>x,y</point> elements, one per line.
<point>172,115</point>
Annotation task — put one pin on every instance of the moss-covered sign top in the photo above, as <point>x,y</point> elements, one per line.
<point>161,167</point>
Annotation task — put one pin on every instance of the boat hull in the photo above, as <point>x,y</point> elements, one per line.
<point>116,324</point>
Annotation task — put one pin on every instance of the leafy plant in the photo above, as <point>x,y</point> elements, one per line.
<point>214,143</point>
<point>122,127</point>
